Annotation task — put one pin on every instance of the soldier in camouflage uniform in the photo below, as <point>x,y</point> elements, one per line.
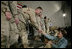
<point>8,25</point>
<point>4,22</point>
<point>11,28</point>
<point>31,15</point>
<point>14,32</point>
<point>20,22</point>
<point>22,28</point>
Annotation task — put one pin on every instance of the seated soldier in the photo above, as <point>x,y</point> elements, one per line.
<point>62,42</point>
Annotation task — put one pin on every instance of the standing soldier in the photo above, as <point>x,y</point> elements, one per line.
<point>34,25</point>
<point>32,16</point>
<point>4,24</point>
<point>26,15</point>
<point>22,28</point>
<point>20,23</point>
<point>8,25</point>
<point>40,22</point>
<point>14,33</point>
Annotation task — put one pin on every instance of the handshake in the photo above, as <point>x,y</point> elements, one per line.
<point>41,31</point>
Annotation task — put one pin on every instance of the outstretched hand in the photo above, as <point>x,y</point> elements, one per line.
<point>40,31</point>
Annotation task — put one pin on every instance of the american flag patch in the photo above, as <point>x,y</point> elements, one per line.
<point>19,6</point>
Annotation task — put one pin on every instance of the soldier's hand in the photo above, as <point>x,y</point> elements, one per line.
<point>8,15</point>
<point>16,20</point>
<point>40,31</point>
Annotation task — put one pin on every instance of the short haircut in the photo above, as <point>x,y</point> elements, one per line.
<point>24,6</point>
<point>39,8</point>
<point>62,31</point>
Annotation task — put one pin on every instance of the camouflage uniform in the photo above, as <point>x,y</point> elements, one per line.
<point>14,33</point>
<point>21,25</point>
<point>4,22</point>
<point>31,19</point>
<point>22,28</point>
<point>8,27</point>
<point>30,15</point>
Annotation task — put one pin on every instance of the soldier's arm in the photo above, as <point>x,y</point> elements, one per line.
<point>31,17</point>
<point>13,9</point>
<point>33,23</point>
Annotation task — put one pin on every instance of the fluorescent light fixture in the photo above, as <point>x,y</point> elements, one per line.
<point>64,15</point>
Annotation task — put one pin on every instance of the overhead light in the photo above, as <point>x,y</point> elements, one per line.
<point>64,15</point>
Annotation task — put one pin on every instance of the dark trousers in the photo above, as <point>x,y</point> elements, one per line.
<point>31,33</point>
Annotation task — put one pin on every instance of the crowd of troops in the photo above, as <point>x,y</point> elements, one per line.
<point>21,25</point>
